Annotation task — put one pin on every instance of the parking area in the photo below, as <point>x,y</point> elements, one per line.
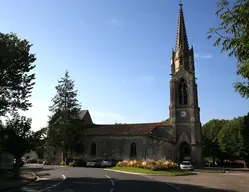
<point>233,181</point>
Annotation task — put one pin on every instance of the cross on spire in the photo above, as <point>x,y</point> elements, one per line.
<point>181,40</point>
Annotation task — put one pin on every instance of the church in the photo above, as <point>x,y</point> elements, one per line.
<point>178,139</point>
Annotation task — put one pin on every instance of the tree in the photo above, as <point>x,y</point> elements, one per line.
<point>40,140</point>
<point>233,35</point>
<point>230,138</point>
<point>65,109</point>
<point>210,138</point>
<point>18,138</point>
<point>245,138</point>
<point>16,77</point>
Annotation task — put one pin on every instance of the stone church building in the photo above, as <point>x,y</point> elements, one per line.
<point>177,139</point>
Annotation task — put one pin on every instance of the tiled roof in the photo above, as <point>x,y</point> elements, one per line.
<point>122,129</point>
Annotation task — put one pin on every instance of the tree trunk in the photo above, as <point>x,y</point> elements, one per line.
<point>213,158</point>
<point>66,157</point>
<point>17,168</point>
<point>246,164</point>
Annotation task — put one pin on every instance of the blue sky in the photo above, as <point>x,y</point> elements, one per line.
<point>118,52</point>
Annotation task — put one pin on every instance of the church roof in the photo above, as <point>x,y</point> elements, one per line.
<point>123,129</point>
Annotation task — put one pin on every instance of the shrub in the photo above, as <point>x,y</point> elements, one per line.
<point>31,161</point>
<point>39,161</point>
<point>160,165</point>
<point>62,163</point>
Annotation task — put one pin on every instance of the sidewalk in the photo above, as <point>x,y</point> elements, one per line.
<point>11,183</point>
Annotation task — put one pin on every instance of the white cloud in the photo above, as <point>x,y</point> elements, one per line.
<point>146,78</point>
<point>116,22</point>
<point>203,56</point>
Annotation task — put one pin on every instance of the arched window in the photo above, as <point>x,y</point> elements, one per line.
<point>93,149</point>
<point>183,92</point>
<point>133,150</point>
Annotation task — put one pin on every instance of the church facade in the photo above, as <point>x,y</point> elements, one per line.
<point>178,139</point>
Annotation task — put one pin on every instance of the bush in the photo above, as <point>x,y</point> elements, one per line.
<point>31,161</point>
<point>62,163</point>
<point>39,161</point>
<point>160,165</point>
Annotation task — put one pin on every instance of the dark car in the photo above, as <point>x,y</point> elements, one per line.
<point>79,163</point>
<point>21,162</point>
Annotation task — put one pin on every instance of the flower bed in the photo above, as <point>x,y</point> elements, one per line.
<point>160,165</point>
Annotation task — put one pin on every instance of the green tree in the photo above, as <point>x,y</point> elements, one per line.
<point>210,138</point>
<point>65,109</point>
<point>16,77</point>
<point>40,141</point>
<point>245,138</point>
<point>233,36</point>
<point>18,138</point>
<point>230,138</point>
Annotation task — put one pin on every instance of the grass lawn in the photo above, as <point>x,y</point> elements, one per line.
<point>148,171</point>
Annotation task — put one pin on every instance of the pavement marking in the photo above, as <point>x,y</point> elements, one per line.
<point>112,189</point>
<point>63,176</point>
<point>177,188</point>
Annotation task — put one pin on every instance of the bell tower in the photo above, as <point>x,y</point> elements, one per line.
<point>184,110</point>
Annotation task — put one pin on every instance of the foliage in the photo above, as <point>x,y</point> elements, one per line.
<point>16,79</point>
<point>63,122</point>
<point>227,139</point>
<point>210,138</point>
<point>40,141</point>
<point>62,163</point>
<point>230,139</point>
<point>245,134</point>
<point>19,138</point>
<point>160,165</point>
<point>233,35</point>
<point>32,161</point>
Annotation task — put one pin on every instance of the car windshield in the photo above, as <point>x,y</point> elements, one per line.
<point>186,163</point>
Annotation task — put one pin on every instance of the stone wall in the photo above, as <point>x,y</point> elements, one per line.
<point>119,147</point>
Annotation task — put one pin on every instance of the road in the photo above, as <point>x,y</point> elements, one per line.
<point>74,179</point>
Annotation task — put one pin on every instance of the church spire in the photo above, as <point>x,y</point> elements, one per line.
<point>181,40</point>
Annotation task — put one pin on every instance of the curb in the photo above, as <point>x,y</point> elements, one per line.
<point>143,174</point>
<point>21,185</point>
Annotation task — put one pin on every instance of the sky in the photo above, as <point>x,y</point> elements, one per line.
<point>118,53</point>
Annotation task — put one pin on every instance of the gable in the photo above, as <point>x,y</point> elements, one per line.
<point>85,117</point>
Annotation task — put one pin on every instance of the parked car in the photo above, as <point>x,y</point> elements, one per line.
<point>94,163</point>
<point>21,162</point>
<point>107,163</point>
<point>186,165</point>
<point>79,163</point>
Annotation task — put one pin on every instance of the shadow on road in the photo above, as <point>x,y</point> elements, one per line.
<point>88,184</point>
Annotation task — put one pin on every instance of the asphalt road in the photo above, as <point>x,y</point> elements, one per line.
<point>74,179</point>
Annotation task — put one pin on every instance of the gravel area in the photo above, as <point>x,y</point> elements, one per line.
<point>232,181</point>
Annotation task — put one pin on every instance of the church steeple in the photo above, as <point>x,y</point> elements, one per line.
<point>182,56</point>
<point>181,39</point>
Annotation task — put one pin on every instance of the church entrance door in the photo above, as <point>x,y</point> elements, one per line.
<point>185,152</point>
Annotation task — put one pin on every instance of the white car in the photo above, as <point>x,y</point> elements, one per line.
<point>106,163</point>
<point>93,163</point>
<point>186,165</point>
